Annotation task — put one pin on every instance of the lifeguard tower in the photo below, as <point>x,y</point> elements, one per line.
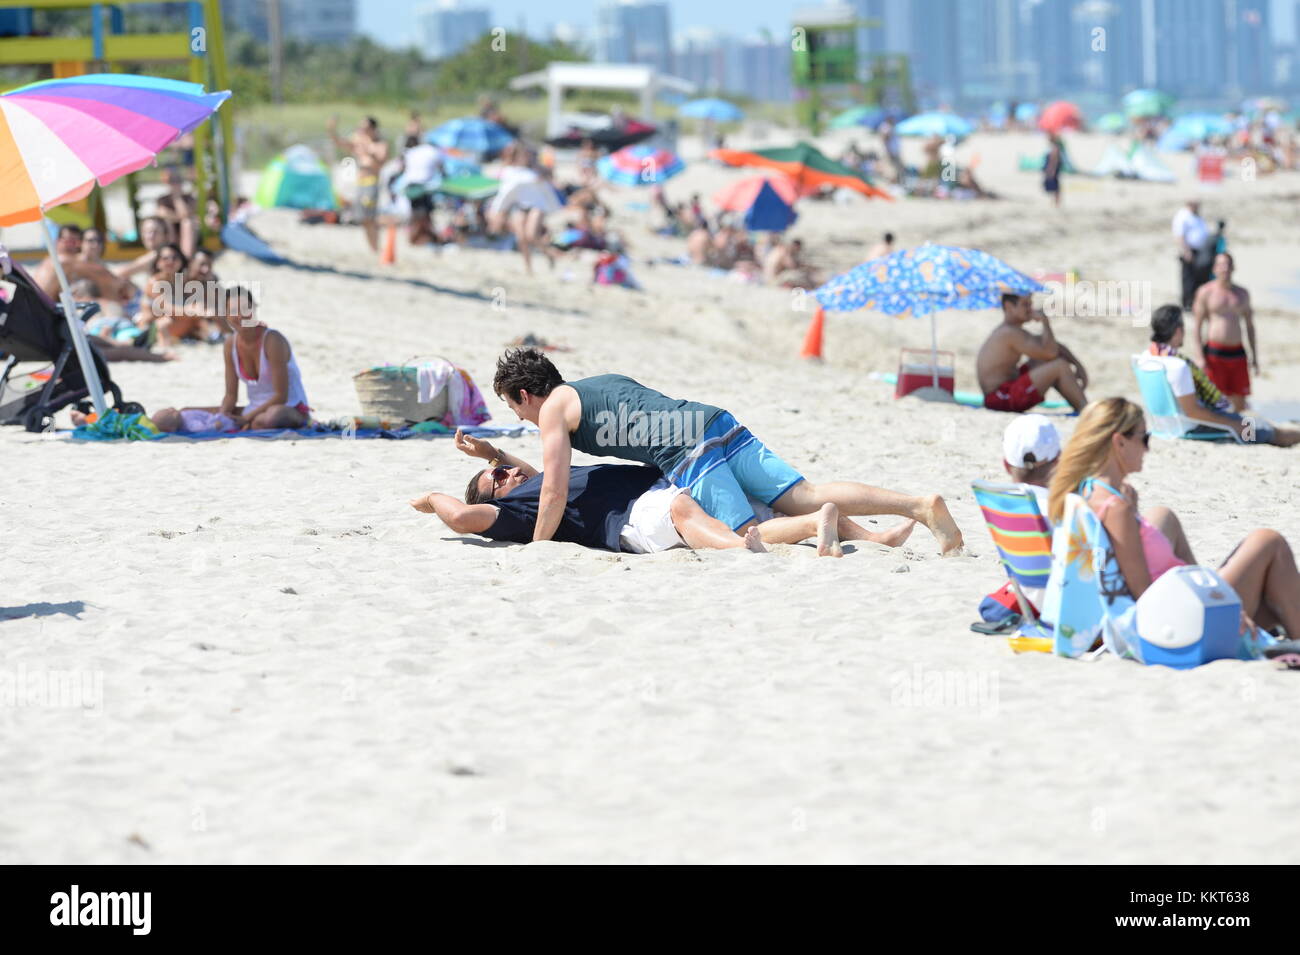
<point>825,64</point>
<point>107,47</point>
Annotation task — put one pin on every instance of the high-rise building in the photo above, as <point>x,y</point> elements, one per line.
<point>315,21</point>
<point>1050,31</point>
<point>245,16</point>
<point>445,29</point>
<point>765,70</point>
<point>633,32</point>
<point>936,66</point>
<point>1253,46</point>
<point>1191,47</point>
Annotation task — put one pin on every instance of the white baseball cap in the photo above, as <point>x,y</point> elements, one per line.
<point>1030,440</point>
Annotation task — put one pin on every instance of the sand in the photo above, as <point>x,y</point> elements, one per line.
<point>274,659</point>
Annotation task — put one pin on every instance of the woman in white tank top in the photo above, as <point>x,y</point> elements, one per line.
<point>262,359</point>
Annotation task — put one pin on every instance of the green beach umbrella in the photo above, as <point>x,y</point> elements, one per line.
<point>1144,104</point>
<point>805,164</point>
<point>1112,123</point>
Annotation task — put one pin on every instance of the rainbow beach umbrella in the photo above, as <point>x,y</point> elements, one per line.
<point>58,138</point>
<point>640,165</point>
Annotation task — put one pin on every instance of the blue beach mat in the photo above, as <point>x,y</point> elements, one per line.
<point>116,427</point>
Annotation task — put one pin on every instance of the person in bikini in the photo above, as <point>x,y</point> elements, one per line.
<point>1012,385</point>
<point>629,508</point>
<point>1111,442</point>
<point>1226,308</point>
<point>696,446</point>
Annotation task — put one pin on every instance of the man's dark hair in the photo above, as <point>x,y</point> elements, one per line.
<point>889,237</point>
<point>1231,261</point>
<point>472,494</point>
<point>525,369</point>
<point>1010,298</point>
<point>1165,322</point>
<point>71,228</point>
<point>372,123</point>
<point>242,296</point>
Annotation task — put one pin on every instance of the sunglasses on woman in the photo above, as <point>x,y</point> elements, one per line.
<point>1146,439</point>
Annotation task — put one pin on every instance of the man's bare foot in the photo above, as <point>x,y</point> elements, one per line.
<point>754,540</point>
<point>828,540</point>
<point>934,515</point>
<point>422,504</point>
<point>79,419</point>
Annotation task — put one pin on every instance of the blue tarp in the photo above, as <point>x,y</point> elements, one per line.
<point>768,212</point>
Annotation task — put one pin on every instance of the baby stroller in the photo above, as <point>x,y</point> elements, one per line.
<point>32,328</point>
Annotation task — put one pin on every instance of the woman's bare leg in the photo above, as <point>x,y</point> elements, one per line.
<point>702,532</point>
<point>1263,572</point>
<point>1169,525</point>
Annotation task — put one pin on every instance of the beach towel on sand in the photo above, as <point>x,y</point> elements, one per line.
<point>342,428</point>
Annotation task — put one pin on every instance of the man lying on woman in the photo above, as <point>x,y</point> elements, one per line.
<point>623,508</point>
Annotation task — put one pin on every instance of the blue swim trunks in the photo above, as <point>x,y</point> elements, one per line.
<point>727,467</point>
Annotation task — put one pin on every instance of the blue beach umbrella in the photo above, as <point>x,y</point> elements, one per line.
<point>1027,113</point>
<point>718,110</point>
<point>935,124</point>
<point>768,212</point>
<point>472,135</point>
<point>925,280</point>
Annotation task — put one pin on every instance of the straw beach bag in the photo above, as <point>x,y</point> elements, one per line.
<point>392,392</point>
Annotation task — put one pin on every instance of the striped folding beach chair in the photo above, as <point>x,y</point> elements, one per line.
<point>1023,538</point>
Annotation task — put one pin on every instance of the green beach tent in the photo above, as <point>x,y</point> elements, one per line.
<point>296,179</point>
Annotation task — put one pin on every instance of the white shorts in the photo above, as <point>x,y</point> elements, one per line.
<point>649,528</point>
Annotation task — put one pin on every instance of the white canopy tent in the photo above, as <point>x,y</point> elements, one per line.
<point>637,78</point>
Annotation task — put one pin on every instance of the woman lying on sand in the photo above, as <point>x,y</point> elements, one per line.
<point>623,507</point>
<point>1110,443</point>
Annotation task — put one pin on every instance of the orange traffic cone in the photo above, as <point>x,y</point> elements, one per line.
<point>389,255</point>
<point>812,341</point>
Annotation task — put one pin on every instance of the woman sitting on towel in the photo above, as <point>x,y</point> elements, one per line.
<point>262,359</point>
<point>1109,443</point>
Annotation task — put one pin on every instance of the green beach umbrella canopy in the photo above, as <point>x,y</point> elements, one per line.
<point>1144,104</point>
<point>803,163</point>
<point>1112,123</point>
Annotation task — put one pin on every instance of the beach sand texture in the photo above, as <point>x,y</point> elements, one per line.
<point>285,663</point>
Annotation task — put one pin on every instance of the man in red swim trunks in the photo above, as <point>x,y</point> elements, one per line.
<point>1227,308</point>
<point>1012,385</point>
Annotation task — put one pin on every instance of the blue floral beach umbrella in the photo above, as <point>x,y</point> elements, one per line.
<point>641,165</point>
<point>472,135</point>
<point>925,280</point>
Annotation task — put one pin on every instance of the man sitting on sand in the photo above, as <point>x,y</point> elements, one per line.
<point>622,507</point>
<point>1012,385</point>
<point>1197,396</point>
<point>783,265</point>
<point>1225,307</point>
<point>696,446</point>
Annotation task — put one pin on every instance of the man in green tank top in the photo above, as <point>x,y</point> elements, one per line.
<point>697,446</point>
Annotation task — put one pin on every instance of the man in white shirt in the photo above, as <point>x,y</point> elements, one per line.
<point>1190,234</point>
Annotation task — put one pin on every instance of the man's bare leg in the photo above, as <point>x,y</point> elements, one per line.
<point>371,228</point>
<point>1058,374</point>
<point>702,532</point>
<point>851,530</point>
<point>862,499</point>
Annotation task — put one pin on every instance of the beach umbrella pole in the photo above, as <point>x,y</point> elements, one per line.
<point>79,341</point>
<point>934,351</point>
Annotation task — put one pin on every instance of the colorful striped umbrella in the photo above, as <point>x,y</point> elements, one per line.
<point>640,165</point>
<point>60,137</point>
<point>740,195</point>
<point>803,163</point>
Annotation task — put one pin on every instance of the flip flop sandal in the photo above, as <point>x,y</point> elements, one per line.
<point>1287,661</point>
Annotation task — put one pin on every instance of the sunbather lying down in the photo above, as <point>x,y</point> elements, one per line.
<point>623,508</point>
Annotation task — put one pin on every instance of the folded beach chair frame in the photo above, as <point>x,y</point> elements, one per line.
<point>1167,418</point>
<point>32,328</point>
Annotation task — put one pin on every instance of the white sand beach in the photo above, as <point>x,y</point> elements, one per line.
<point>285,663</point>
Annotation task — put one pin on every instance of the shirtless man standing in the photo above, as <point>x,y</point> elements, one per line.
<point>1226,307</point>
<point>370,151</point>
<point>68,248</point>
<point>1010,385</point>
